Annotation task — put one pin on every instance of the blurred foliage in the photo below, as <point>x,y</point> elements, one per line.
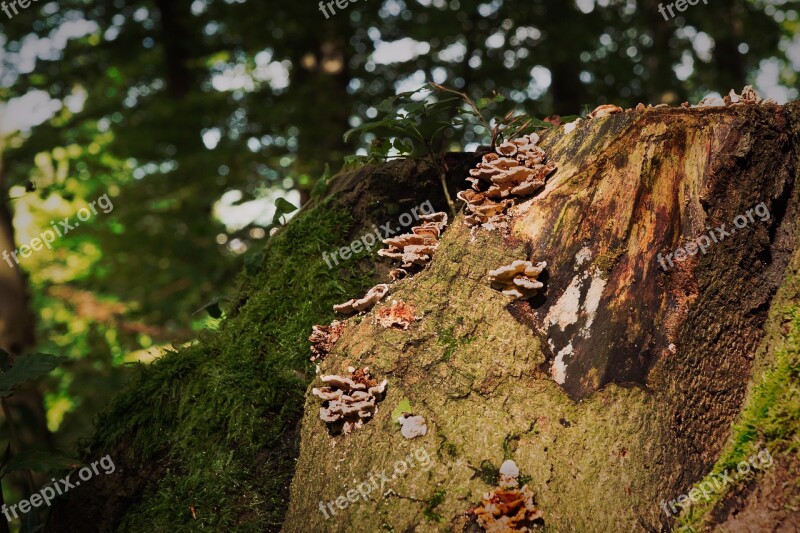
<point>169,106</point>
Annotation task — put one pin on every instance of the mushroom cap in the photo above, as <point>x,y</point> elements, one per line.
<point>711,101</point>
<point>518,279</point>
<point>373,296</point>
<point>350,399</point>
<point>379,389</point>
<point>413,426</point>
<point>507,149</point>
<point>509,468</point>
<point>605,110</point>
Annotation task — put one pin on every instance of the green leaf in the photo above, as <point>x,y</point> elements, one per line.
<point>403,146</point>
<point>26,368</point>
<point>212,308</point>
<point>413,108</point>
<point>38,461</point>
<point>403,407</point>
<point>387,106</point>
<point>367,126</point>
<point>282,207</point>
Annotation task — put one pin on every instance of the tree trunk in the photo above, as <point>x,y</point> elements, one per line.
<point>615,388</point>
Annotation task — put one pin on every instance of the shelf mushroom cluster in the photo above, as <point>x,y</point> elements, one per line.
<point>748,96</point>
<point>508,508</point>
<point>518,279</point>
<point>349,401</point>
<point>415,249</point>
<point>323,338</point>
<point>517,168</point>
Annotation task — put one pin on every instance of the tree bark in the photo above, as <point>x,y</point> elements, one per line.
<point>615,388</point>
<point>655,364</point>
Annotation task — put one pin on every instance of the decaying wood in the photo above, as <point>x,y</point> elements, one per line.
<point>658,359</point>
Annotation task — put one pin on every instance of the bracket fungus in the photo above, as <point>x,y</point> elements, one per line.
<point>605,110</point>
<point>323,338</point>
<point>412,426</point>
<point>349,401</point>
<point>516,168</point>
<point>415,248</point>
<point>508,508</point>
<point>748,96</point>
<point>373,296</point>
<point>480,209</point>
<point>519,279</point>
<point>509,473</point>
<point>398,315</point>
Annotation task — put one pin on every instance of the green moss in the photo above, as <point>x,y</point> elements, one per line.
<point>771,418</point>
<point>489,473</point>
<point>509,445</point>
<point>221,415</point>
<point>607,261</point>
<point>450,449</point>
<point>432,504</point>
<point>451,342</point>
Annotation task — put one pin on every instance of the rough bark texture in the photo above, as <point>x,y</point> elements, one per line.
<point>653,366</point>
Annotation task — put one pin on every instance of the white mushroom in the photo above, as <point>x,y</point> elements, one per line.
<point>412,426</point>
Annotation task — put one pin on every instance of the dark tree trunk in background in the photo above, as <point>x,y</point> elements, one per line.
<point>176,42</point>
<point>322,73</point>
<point>660,86</point>
<point>726,47</point>
<point>16,319</point>
<point>566,88</point>
<point>17,335</point>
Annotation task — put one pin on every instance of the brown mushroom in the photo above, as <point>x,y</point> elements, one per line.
<point>517,169</point>
<point>415,248</point>
<point>323,338</point>
<point>605,110</point>
<point>508,508</point>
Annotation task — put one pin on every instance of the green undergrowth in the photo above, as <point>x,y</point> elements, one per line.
<point>770,419</point>
<point>220,416</point>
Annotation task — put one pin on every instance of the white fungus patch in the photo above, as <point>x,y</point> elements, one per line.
<point>583,255</point>
<point>592,302</point>
<point>565,310</point>
<point>558,370</point>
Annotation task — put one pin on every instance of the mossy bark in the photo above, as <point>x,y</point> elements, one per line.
<point>652,365</point>
<point>206,437</point>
